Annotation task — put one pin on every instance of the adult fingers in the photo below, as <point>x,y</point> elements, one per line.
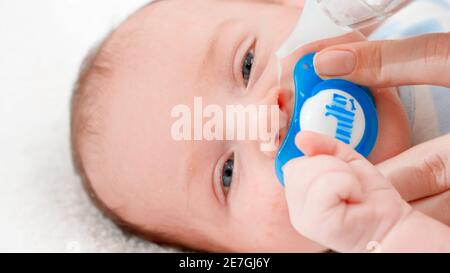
<point>419,60</point>
<point>437,206</point>
<point>421,171</point>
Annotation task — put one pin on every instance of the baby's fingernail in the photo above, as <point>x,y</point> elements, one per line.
<point>335,63</point>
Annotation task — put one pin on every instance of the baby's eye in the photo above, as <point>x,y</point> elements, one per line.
<point>247,67</point>
<point>227,174</point>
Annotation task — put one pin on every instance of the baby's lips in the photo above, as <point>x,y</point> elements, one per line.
<point>284,126</point>
<point>286,100</point>
<point>279,135</point>
<point>286,104</point>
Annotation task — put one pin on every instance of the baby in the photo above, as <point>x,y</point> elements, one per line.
<point>204,195</point>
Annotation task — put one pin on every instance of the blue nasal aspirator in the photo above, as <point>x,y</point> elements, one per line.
<point>335,107</point>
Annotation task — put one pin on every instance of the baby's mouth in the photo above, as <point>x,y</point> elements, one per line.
<point>286,105</point>
<point>284,127</point>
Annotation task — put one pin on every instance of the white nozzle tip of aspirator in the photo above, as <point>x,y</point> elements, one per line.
<point>314,25</point>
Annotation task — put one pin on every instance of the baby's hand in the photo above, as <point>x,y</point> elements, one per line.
<point>337,198</point>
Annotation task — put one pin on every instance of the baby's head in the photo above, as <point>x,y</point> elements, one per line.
<point>207,195</point>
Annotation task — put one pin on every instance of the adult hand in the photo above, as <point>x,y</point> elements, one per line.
<point>422,177</point>
<point>421,174</point>
<point>418,60</point>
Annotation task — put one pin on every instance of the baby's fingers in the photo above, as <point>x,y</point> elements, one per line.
<point>313,144</point>
<point>301,176</point>
<point>318,203</point>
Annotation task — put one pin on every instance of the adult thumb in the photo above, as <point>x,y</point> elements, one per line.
<point>419,60</point>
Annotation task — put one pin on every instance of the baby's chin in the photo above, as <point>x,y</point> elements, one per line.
<point>394,134</point>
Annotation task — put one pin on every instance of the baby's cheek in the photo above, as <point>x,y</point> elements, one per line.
<point>260,216</point>
<point>260,197</point>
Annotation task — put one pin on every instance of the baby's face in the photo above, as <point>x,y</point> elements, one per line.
<point>216,195</point>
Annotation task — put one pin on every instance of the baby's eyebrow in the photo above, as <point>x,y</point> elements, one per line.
<point>195,160</point>
<point>214,42</point>
<point>200,165</point>
<point>218,31</point>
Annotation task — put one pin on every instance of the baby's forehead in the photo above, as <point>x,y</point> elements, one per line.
<point>156,65</point>
<point>163,53</point>
<point>150,76</point>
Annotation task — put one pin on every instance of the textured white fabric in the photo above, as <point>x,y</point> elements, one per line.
<point>427,106</point>
<point>42,205</point>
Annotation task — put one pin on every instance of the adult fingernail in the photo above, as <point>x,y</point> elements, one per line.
<point>335,63</point>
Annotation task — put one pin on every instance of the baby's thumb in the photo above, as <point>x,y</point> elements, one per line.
<point>312,144</point>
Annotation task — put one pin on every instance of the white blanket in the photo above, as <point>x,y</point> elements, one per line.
<point>42,204</point>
